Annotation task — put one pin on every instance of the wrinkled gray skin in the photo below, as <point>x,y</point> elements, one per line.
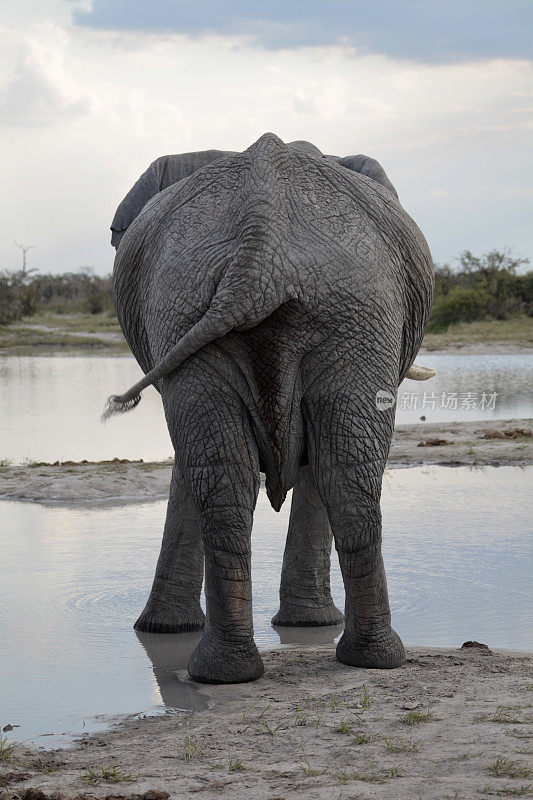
<point>268,295</point>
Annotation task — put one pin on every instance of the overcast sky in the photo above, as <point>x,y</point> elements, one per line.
<point>92,91</point>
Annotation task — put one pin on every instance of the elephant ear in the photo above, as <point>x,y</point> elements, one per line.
<point>161,173</point>
<point>366,166</point>
<point>146,187</point>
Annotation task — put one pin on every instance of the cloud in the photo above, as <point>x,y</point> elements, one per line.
<point>92,108</point>
<point>438,194</point>
<point>39,90</point>
<point>509,192</point>
<point>430,31</point>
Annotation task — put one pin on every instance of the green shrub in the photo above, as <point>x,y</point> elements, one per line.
<point>8,305</point>
<point>459,305</point>
<point>486,286</point>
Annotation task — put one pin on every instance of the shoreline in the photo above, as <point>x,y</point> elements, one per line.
<point>50,334</point>
<point>92,344</point>
<point>453,444</point>
<point>451,722</point>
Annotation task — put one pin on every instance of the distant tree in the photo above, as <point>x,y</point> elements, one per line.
<point>25,272</point>
<point>486,286</point>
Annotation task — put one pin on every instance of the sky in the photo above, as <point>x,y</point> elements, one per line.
<point>92,91</point>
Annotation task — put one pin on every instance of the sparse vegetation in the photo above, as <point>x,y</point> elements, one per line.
<point>344,726</point>
<point>110,774</point>
<point>259,722</point>
<point>235,765</point>
<point>361,738</point>
<point>365,697</point>
<point>6,749</point>
<point>301,718</point>
<point>504,767</point>
<point>504,715</point>
<point>416,717</point>
<point>377,776</point>
<point>336,702</point>
<point>399,745</point>
<point>311,772</point>
<point>193,749</point>
<point>507,715</point>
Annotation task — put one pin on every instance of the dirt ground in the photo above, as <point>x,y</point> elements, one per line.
<point>448,724</point>
<point>510,442</point>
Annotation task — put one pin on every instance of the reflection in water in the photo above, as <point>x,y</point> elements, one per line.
<point>469,388</point>
<point>51,406</point>
<point>325,634</point>
<point>168,653</point>
<point>74,581</point>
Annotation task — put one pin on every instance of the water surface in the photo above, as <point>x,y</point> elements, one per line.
<point>457,548</point>
<point>50,406</point>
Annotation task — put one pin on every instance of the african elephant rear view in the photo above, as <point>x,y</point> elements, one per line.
<point>269,296</point>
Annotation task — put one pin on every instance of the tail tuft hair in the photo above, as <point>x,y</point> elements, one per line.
<point>116,405</point>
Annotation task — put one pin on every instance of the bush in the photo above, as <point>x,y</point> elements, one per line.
<point>74,292</point>
<point>71,293</point>
<point>482,287</point>
<point>17,299</point>
<point>459,305</point>
<point>8,304</point>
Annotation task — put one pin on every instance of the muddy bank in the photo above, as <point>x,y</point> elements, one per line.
<point>434,347</point>
<point>449,723</point>
<point>499,443</point>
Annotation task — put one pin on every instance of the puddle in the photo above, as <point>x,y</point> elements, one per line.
<point>457,548</point>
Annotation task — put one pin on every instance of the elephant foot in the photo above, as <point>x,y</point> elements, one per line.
<point>298,616</point>
<point>382,651</point>
<point>160,617</point>
<point>219,661</point>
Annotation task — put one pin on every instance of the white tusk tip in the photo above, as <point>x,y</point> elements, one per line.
<point>418,373</point>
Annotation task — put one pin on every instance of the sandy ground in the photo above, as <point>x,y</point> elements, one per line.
<point>433,347</point>
<point>448,724</point>
<point>451,444</point>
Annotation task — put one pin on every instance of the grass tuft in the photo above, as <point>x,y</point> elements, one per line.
<point>399,745</point>
<point>361,738</point>
<point>365,697</point>
<point>508,791</point>
<point>301,718</point>
<point>378,776</point>
<point>344,726</point>
<point>311,772</point>
<point>6,750</point>
<point>193,750</point>
<point>416,717</point>
<point>504,767</point>
<point>506,715</point>
<point>108,774</point>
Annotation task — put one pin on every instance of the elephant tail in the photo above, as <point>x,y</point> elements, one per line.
<point>222,316</point>
<point>209,327</point>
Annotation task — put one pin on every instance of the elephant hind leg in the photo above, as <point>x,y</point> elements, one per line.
<point>305,596</point>
<point>217,454</point>
<point>348,440</point>
<point>174,602</point>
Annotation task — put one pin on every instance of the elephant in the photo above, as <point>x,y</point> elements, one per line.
<point>273,297</point>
